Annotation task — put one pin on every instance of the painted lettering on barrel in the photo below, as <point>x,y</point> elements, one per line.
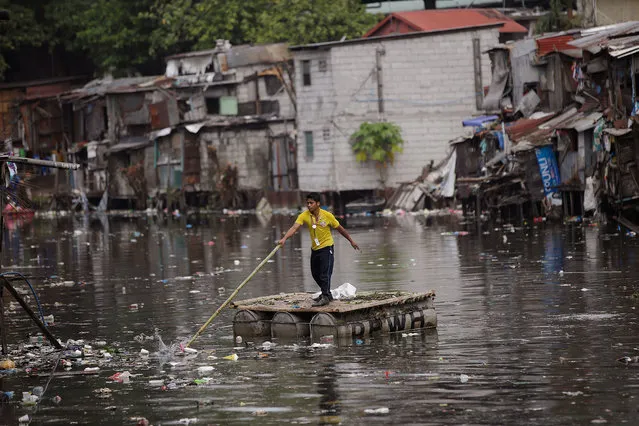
<point>396,323</point>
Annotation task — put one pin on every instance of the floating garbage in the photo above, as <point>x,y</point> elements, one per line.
<point>463,378</point>
<point>267,346</point>
<point>156,382</point>
<point>7,364</point>
<point>327,340</point>
<point>92,369</point>
<point>144,352</point>
<point>236,262</point>
<point>377,411</point>
<point>103,392</point>
<point>29,399</point>
<point>56,399</point>
<point>232,357</point>
<point>629,359</point>
<point>238,340</point>
<point>123,377</point>
<point>205,370</point>
<point>24,419</point>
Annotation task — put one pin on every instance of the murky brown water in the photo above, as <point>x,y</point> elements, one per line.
<point>539,346</point>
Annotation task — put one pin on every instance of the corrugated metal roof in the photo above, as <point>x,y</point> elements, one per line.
<point>582,122</point>
<point>129,143</point>
<point>525,126</point>
<point>546,45</point>
<point>330,44</point>
<point>42,82</point>
<point>596,39</point>
<point>101,87</point>
<point>47,90</point>
<point>433,20</point>
<point>536,133</point>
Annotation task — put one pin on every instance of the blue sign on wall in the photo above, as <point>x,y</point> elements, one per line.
<point>548,169</point>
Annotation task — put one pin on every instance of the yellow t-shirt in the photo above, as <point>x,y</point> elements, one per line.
<point>322,231</point>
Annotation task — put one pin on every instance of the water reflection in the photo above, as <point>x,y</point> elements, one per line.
<point>329,403</point>
<point>535,317</point>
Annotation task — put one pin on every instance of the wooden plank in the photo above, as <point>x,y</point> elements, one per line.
<point>301,302</point>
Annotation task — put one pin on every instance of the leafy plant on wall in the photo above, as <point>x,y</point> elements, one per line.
<point>378,142</point>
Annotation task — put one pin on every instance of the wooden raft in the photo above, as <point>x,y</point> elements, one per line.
<point>293,316</point>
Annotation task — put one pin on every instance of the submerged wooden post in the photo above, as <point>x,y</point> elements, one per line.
<point>32,314</point>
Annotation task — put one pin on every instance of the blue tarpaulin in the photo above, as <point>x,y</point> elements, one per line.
<point>479,121</point>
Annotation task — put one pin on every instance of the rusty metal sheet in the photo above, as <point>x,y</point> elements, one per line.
<point>47,90</point>
<point>192,168</point>
<point>164,114</point>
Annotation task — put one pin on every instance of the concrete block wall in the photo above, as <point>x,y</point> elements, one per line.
<point>611,11</point>
<point>315,106</point>
<point>429,88</point>
<point>246,148</point>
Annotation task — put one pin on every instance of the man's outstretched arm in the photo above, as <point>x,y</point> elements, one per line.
<point>346,235</point>
<point>289,233</point>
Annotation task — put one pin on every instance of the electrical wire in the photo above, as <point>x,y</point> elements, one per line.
<point>9,273</point>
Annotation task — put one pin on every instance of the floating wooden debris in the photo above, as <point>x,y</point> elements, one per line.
<point>292,316</point>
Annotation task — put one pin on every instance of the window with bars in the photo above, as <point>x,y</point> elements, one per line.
<point>306,73</point>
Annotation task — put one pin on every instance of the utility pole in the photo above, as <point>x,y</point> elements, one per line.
<point>379,52</point>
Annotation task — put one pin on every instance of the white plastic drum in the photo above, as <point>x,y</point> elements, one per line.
<point>251,324</point>
<point>289,326</point>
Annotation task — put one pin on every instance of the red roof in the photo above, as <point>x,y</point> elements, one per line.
<point>559,43</point>
<point>433,20</point>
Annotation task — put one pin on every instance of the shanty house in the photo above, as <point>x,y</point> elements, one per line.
<point>33,123</point>
<point>237,107</point>
<point>113,120</point>
<point>425,82</point>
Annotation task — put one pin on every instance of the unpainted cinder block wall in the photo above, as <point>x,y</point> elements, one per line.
<point>429,88</point>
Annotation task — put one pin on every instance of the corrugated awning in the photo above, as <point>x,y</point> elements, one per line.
<point>129,144</point>
<point>585,123</point>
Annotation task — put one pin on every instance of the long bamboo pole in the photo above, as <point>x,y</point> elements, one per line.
<point>227,301</point>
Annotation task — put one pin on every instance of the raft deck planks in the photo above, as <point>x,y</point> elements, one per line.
<point>301,302</point>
